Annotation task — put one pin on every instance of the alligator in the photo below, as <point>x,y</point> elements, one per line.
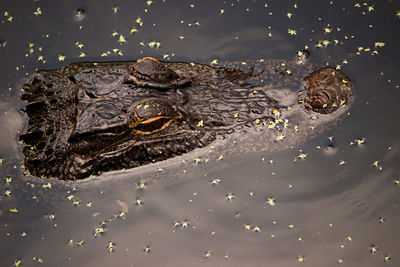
<point>88,118</point>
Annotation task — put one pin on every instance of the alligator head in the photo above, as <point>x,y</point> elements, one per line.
<point>89,118</point>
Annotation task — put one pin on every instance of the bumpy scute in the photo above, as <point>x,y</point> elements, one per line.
<point>149,72</point>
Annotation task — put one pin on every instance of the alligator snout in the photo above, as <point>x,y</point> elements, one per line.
<point>327,90</point>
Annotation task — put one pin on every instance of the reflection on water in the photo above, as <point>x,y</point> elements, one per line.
<point>332,200</point>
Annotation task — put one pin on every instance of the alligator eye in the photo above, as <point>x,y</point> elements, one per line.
<point>152,125</point>
<point>149,72</point>
<point>153,115</point>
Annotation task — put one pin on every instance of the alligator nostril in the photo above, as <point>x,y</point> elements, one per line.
<point>321,98</point>
<point>326,94</point>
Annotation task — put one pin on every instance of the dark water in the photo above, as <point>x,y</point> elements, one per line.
<point>337,206</point>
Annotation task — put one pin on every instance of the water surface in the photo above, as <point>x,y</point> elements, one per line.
<point>337,206</point>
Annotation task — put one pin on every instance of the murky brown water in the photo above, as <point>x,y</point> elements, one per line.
<point>336,206</point>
